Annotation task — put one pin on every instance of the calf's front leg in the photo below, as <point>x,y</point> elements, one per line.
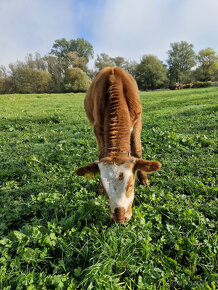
<point>100,140</point>
<point>136,150</point>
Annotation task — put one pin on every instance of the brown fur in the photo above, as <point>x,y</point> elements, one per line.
<point>129,210</point>
<point>142,176</point>
<point>113,107</point>
<point>93,167</point>
<point>147,166</point>
<point>129,188</point>
<point>119,159</point>
<point>119,214</point>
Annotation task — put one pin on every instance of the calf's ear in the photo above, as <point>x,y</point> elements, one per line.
<point>147,166</point>
<point>89,170</point>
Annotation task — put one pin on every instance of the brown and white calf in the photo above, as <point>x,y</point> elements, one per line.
<point>113,108</point>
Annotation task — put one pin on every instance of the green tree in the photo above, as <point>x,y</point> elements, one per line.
<point>3,71</point>
<point>43,81</point>
<point>150,73</point>
<point>119,61</point>
<point>35,62</point>
<point>27,80</point>
<point>40,63</point>
<point>6,85</point>
<point>60,47</point>
<point>208,64</point>
<point>71,59</point>
<point>55,68</point>
<point>130,67</point>
<point>76,80</point>
<point>181,59</point>
<point>82,47</point>
<point>103,60</point>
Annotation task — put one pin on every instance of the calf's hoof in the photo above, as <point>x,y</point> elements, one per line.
<point>143,179</point>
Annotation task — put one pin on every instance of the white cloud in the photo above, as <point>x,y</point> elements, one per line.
<point>132,28</point>
<point>27,26</point>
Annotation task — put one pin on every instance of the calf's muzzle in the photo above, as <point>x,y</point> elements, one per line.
<point>119,215</point>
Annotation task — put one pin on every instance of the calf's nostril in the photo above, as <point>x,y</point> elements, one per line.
<point>119,215</point>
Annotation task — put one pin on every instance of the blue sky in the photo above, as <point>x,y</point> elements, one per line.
<point>128,28</point>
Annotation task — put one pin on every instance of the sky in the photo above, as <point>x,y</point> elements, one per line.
<point>127,28</point>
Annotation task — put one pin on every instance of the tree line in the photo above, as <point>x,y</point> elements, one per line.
<point>65,68</point>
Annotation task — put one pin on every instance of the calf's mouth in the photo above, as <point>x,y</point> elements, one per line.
<point>119,216</point>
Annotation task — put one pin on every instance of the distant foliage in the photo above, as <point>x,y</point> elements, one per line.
<point>80,46</point>
<point>186,86</point>
<point>32,81</point>
<point>201,84</point>
<point>50,73</point>
<point>104,60</point>
<point>181,59</point>
<point>76,80</point>
<point>55,68</point>
<point>150,74</point>
<point>197,84</point>
<point>6,85</point>
<point>208,64</point>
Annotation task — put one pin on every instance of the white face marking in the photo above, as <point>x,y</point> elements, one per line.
<point>115,187</point>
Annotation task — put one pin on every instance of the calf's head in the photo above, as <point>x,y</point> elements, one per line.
<point>117,176</point>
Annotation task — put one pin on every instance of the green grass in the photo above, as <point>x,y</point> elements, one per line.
<point>55,230</point>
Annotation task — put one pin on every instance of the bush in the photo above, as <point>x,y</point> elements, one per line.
<point>76,80</point>
<point>6,86</point>
<point>186,86</point>
<point>150,73</point>
<point>202,84</point>
<point>27,81</point>
<point>197,84</point>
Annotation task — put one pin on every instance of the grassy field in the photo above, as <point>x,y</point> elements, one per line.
<point>55,231</point>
